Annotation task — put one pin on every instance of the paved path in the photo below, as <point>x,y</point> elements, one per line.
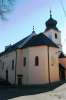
<point>57,94</point>
<point>33,93</point>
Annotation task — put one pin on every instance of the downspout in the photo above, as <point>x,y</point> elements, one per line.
<point>49,69</point>
<point>15,65</point>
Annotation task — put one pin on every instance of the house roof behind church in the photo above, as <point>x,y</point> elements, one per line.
<point>62,66</point>
<point>62,55</point>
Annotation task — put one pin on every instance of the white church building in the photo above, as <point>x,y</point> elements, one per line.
<point>34,59</point>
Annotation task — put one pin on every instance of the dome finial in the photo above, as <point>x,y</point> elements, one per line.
<point>50,14</point>
<point>33,28</point>
<point>33,31</point>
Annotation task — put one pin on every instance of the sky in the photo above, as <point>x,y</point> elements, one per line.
<point>29,13</point>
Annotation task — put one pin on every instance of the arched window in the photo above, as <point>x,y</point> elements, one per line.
<point>36,61</point>
<point>24,61</point>
<point>12,64</point>
<point>55,35</point>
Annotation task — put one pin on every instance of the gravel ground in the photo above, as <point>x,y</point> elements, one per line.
<point>57,94</point>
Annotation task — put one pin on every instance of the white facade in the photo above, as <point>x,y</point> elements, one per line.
<point>6,64</point>
<point>55,36</point>
<point>31,74</point>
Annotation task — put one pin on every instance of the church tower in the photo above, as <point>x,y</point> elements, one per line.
<point>52,32</point>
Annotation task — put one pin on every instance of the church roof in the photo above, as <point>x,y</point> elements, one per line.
<point>14,46</point>
<point>35,40</point>
<point>38,40</point>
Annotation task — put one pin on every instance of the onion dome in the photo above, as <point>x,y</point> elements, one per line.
<point>51,23</point>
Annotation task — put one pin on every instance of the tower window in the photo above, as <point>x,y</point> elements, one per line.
<point>36,61</point>
<point>55,35</point>
<point>24,61</point>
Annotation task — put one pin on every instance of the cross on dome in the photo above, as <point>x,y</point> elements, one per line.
<point>50,14</point>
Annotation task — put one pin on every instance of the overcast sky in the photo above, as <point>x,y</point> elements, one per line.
<point>27,13</point>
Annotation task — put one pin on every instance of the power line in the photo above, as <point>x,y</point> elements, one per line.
<point>64,41</point>
<point>62,5</point>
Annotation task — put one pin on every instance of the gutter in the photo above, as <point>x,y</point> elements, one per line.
<point>15,65</point>
<point>49,69</point>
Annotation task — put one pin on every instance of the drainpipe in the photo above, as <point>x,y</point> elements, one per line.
<point>15,66</point>
<point>49,69</point>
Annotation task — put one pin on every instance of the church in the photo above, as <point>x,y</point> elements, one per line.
<point>35,60</point>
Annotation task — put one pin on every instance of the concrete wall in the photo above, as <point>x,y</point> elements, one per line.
<point>63,62</point>
<point>7,60</point>
<point>38,74</point>
<point>21,69</point>
<point>32,74</point>
<point>54,64</point>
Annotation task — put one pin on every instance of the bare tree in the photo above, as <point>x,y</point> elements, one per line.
<point>5,7</point>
